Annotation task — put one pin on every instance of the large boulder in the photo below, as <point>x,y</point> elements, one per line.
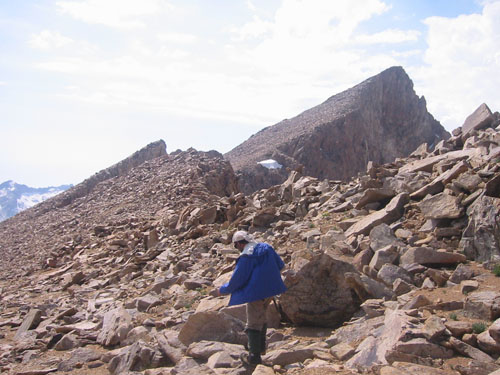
<point>318,293</point>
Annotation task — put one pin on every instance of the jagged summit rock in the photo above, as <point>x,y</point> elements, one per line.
<point>379,119</point>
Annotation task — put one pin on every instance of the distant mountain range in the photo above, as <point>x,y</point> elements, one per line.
<point>15,198</point>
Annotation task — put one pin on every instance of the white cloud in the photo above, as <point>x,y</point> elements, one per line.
<point>310,45</point>
<point>47,39</point>
<point>251,30</point>
<point>125,14</point>
<point>389,36</point>
<point>178,38</point>
<point>462,64</point>
<point>250,5</point>
<point>306,48</point>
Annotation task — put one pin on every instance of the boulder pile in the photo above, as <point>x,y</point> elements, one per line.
<point>391,273</point>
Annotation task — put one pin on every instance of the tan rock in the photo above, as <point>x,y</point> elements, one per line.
<point>212,326</point>
<point>441,206</point>
<point>116,326</point>
<point>283,357</point>
<point>427,255</point>
<point>387,215</point>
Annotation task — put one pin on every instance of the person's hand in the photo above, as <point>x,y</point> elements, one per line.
<point>215,292</point>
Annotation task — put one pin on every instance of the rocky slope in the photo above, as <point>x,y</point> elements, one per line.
<point>15,198</point>
<point>380,119</point>
<point>158,188</point>
<point>387,274</point>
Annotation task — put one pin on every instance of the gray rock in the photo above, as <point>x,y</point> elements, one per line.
<point>405,368</point>
<point>480,240</point>
<point>461,273</point>
<point>205,349</point>
<point>283,357</point>
<point>441,206</point>
<point>382,236</point>
<point>386,255</point>
<point>418,347</point>
<point>172,349</point>
<point>468,286</point>
<point>212,326</point>
<point>366,288</point>
<point>31,321</point>
<point>79,355</point>
<point>116,326</point>
<point>494,330</point>
<point>136,357</point>
<point>488,343</point>
<point>223,360</point>
<point>469,351</point>
<point>429,256</point>
<point>458,328</point>
<point>146,302</point>
<point>387,215</point>
<point>389,273</point>
<point>481,118</point>
<point>374,195</point>
<point>483,305</point>
<point>67,342</point>
<point>400,287</point>
<point>342,351</point>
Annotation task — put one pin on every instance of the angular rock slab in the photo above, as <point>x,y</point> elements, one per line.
<point>405,368</point>
<point>441,206</point>
<point>318,294</point>
<point>212,326</point>
<point>115,328</point>
<point>427,255</point>
<point>392,212</point>
<point>483,305</point>
<point>385,344</point>
<point>481,239</point>
<point>481,118</point>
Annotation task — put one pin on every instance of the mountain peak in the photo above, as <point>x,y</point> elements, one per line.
<point>377,120</point>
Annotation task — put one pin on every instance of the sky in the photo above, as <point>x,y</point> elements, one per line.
<point>86,83</point>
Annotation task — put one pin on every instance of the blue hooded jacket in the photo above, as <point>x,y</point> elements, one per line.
<point>256,276</point>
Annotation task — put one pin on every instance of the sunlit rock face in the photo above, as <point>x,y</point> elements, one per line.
<point>377,120</point>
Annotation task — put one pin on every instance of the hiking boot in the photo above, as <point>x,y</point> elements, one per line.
<point>251,359</point>
<point>254,348</point>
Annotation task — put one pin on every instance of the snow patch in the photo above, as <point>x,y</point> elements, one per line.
<point>270,164</point>
<point>27,201</point>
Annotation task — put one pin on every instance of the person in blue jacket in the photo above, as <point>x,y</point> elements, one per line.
<point>255,280</point>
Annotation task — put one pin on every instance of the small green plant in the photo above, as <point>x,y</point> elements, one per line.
<point>496,270</point>
<point>479,327</point>
<point>453,316</point>
<point>326,214</point>
<point>311,225</point>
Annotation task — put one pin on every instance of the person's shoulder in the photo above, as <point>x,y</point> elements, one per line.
<point>264,246</point>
